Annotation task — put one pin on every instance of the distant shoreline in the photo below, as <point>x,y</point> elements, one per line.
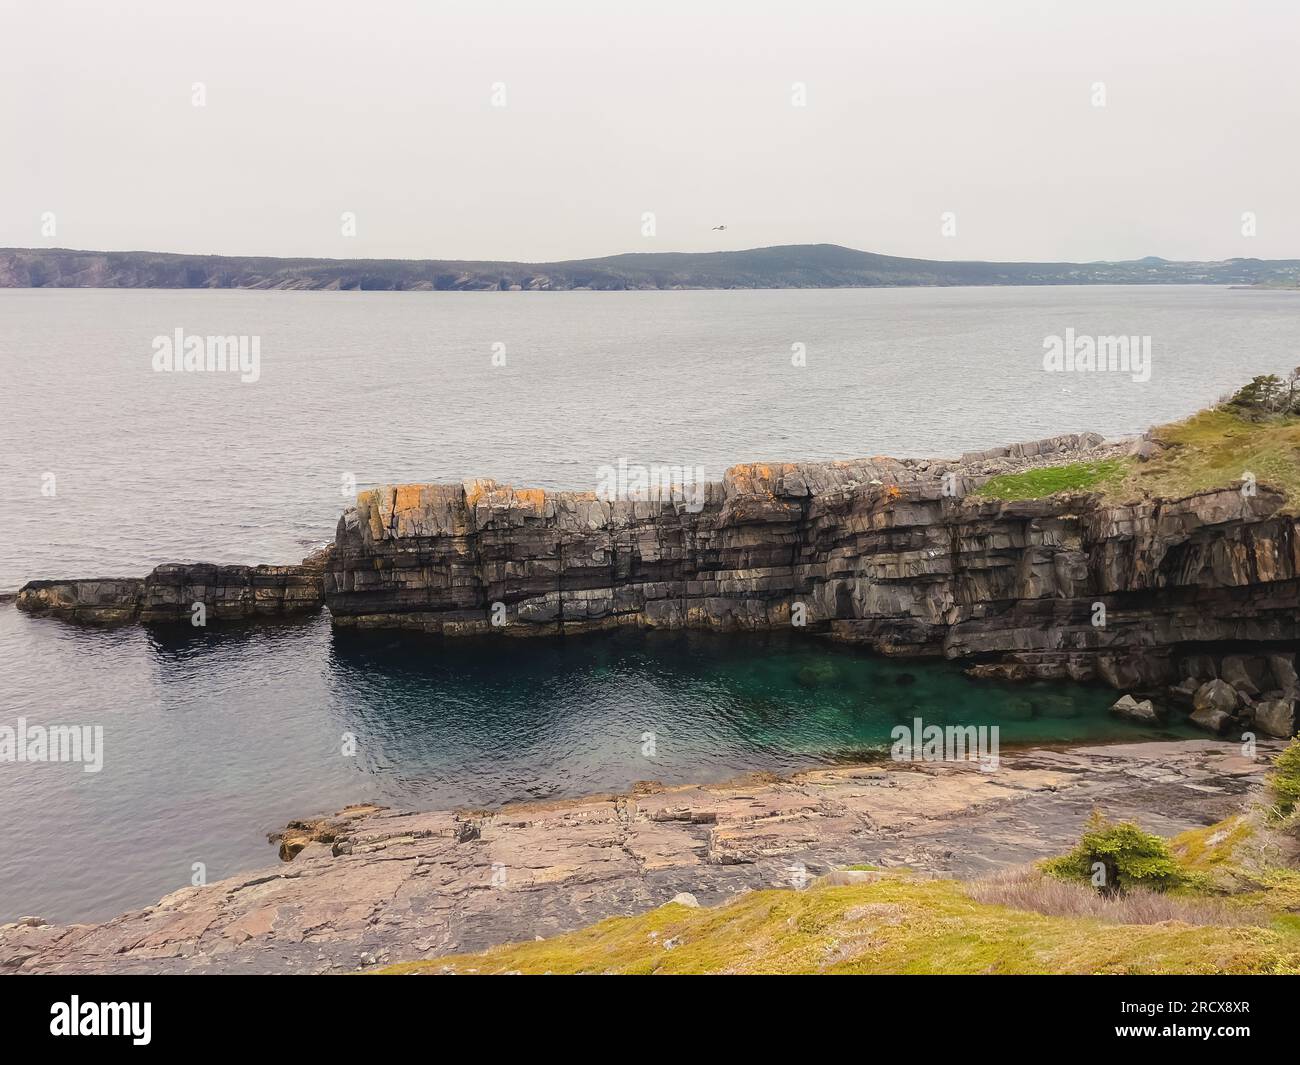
<point>804,266</point>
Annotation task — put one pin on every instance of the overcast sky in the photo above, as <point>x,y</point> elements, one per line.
<point>687,110</point>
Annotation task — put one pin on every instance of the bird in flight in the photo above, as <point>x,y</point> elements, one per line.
<point>719,227</point>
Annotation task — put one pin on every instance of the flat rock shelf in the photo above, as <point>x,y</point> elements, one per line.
<point>369,886</point>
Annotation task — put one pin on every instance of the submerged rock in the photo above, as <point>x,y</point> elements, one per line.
<point>1018,710</point>
<point>816,676</point>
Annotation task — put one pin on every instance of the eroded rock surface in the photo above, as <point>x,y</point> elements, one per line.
<point>368,887</point>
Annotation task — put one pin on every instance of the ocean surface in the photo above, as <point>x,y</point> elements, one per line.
<point>213,738</point>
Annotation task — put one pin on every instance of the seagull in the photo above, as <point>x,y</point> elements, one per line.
<point>716,228</point>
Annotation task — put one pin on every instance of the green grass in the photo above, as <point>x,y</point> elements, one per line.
<point>1094,476</point>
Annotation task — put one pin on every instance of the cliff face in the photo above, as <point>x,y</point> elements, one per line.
<point>897,555</point>
<point>871,551</point>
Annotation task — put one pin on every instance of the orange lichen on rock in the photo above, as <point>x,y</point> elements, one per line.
<point>753,479</point>
<point>477,489</point>
<point>533,498</point>
<point>409,498</point>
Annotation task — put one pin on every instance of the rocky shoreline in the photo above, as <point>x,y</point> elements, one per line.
<point>1199,606</point>
<point>369,886</point>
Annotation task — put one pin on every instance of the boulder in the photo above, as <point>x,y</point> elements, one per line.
<point>1184,692</point>
<point>1143,712</point>
<point>1212,720</point>
<point>1282,668</point>
<point>1216,695</point>
<point>1136,669</point>
<point>1276,717</point>
<point>1200,667</point>
<point>1145,450</point>
<point>1246,674</point>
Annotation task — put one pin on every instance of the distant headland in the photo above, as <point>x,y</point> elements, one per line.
<point>787,266</point>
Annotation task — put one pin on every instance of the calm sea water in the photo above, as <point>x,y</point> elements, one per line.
<point>214,738</point>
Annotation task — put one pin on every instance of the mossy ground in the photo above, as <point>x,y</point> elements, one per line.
<point>896,925</point>
<point>1250,866</point>
<point>1212,449</point>
<point>1216,448</point>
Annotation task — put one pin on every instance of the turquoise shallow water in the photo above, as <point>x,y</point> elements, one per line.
<point>213,739</point>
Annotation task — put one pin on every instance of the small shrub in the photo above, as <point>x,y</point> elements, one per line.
<point>1284,784</point>
<point>1117,856</point>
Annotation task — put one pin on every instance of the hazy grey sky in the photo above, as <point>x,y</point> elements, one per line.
<point>612,109</point>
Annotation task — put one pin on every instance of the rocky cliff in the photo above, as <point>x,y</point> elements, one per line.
<point>871,551</point>
<point>899,556</point>
<point>902,556</point>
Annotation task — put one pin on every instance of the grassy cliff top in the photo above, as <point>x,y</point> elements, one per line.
<point>1218,447</point>
<point>1213,449</point>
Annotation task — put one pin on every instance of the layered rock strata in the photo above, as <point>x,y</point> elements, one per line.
<point>899,556</point>
<point>169,593</point>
